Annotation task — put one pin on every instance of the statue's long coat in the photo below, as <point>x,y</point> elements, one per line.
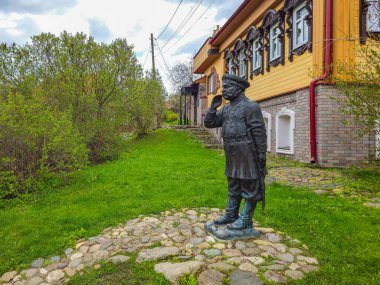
<point>244,136</point>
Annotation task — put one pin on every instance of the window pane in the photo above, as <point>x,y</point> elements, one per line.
<point>298,31</point>
<point>305,31</point>
<point>373,16</point>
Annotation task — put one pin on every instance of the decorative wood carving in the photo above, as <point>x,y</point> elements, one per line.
<point>289,7</point>
<point>213,51</point>
<point>252,35</point>
<point>270,18</point>
<point>239,46</point>
<point>228,55</point>
<point>216,82</point>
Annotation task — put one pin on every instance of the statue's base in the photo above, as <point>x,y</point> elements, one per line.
<point>222,233</point>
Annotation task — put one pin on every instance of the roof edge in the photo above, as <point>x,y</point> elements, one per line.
<point>234,15</point>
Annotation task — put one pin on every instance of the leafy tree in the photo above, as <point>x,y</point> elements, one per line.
<point>75,73</point>
<point>145,104</point>
<point>63,101</point>
<point>35,141</point>
<point>359,84</point>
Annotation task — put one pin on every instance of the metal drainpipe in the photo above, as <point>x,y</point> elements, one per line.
<point>313,141</point>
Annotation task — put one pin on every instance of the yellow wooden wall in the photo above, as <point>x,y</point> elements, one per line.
<point>298,74</point>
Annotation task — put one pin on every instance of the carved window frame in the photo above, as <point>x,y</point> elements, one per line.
<point>363,33</point>
<point>271,18</point>
<point>241,46</point>
<point>289,7</point>
<point>214,78</point>
<point>229,58</point>
<point>255,34</point>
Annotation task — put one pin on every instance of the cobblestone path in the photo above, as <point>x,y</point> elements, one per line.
<point>179,244</point>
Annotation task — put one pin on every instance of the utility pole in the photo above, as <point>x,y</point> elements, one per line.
<point>153,64</point>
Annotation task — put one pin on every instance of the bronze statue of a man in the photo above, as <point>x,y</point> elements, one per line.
<point>245,143</point>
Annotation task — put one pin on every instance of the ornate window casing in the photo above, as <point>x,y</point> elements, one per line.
<point>241,58</point>
<point>299,17</point>
<point>273,25</point>
<point>369,19</point>
<point>213,81</point>
<point>285,126</point>
<point>229,61</point>
<point>268,125</point>
<point>255,38</point>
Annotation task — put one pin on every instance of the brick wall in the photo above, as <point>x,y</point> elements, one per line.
<point>338,145</point>
<point>299,103</point>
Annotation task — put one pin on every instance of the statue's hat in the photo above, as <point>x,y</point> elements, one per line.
<point>236,80</point>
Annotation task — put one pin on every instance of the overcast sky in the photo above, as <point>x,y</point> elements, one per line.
<point>110,19</point>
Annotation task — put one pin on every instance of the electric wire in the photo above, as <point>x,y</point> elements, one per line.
<point>163,58</point>
<point>170,20</point>
<point>193,9</point>
<point>192,26</point>
<point>146,57</point>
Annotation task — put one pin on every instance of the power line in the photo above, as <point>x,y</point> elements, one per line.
<point>184,21</point>
<point>166,65</point>
<point>170,20</point>
<point>192,26</point>
<point>146,57</point>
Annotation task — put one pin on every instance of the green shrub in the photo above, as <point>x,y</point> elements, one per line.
<point>35,141</point>
<point>170,116</point>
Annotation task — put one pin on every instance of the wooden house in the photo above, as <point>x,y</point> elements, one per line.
<point>287,50</point>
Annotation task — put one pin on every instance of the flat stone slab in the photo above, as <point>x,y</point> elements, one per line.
<point>158,253</point>
<point>240,277</point>
<point>173,271</point>
<point>180,235</point>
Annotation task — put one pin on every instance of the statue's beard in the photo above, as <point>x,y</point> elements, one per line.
<point>230,96</point>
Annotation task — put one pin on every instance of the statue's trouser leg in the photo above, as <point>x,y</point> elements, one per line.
<point>233,203</point>
<point>250,190</point>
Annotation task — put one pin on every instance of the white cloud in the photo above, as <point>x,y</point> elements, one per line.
<point>110,19</point>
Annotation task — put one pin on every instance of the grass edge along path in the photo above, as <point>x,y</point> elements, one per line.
<point>168,170</point>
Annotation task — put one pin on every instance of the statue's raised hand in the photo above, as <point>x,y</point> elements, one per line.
<point>216,102</point>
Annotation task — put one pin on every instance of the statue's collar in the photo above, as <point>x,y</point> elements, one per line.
<point>237,100</point>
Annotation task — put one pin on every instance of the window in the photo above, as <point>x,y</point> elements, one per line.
<point>256,55</point>
<point>211,84</point>
<point>213,81</point>
<point>274,44</point>
<point>285,125</point>
<point>255,42</point>
<point>300,27</point>
<point>299,16</point>
<point>242,64</point>
<point>229,61</point>
<point>268,127</point>
<point>373,16</point>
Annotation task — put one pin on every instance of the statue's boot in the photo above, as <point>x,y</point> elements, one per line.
<point>245,220</point>
<point>232,211</point>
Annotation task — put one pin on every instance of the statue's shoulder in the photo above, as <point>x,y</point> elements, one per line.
<point>251,104</point>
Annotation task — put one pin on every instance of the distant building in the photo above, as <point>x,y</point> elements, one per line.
<point>284,49</point>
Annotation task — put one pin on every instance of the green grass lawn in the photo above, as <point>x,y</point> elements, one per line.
<point>168,169</point>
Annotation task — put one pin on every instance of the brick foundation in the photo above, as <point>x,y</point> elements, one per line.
<point>338,144</point>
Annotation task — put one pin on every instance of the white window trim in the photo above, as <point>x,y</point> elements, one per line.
<point>254,53</point>
<point>274,27</point>
<point>295,45</point>
<point>242,63</point>
<point>286,112</point>
<point>269,130</point>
